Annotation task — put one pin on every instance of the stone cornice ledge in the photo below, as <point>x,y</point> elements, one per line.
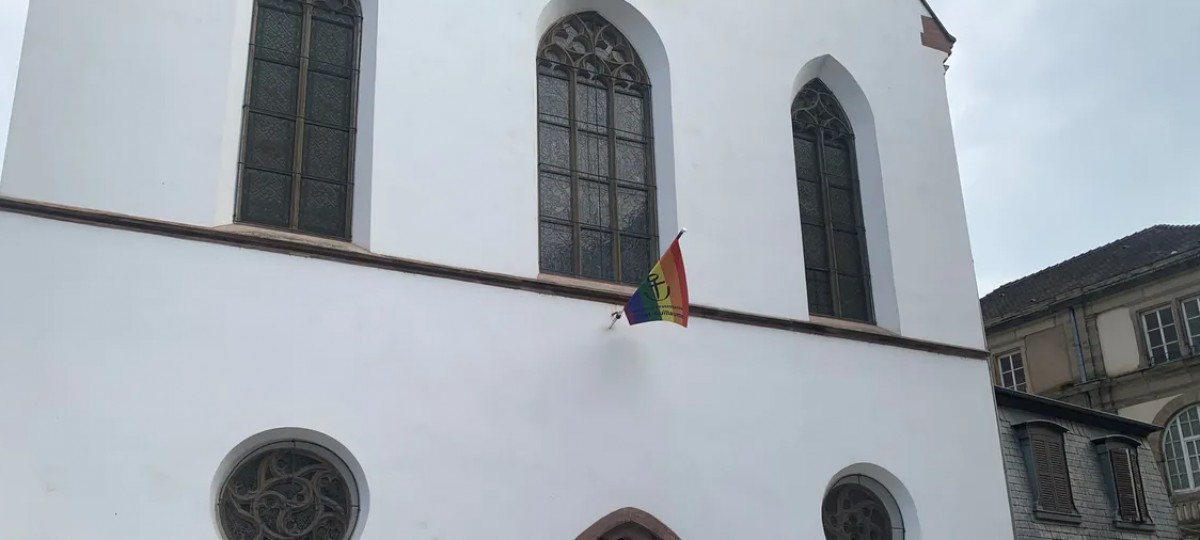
<point>348,253</point>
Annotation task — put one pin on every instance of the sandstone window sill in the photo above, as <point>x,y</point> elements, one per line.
<point>850,325</point>
<point>288,236</point>
<point>606,286</point>
<point>1057,517</point>
<point>1131,526</point>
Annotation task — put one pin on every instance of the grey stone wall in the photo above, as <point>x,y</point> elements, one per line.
<point>1087,487</point>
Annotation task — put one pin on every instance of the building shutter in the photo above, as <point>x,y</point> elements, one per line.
<point>1045,480</point>
<point>1126,485</point>
<point>1053,480</point>
<point>1137,484</point>
<point>1062,481</point>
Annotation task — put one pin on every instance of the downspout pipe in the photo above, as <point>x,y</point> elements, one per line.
<point>1078,345</point>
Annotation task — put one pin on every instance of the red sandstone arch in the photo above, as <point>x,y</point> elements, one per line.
<point>629,523</point>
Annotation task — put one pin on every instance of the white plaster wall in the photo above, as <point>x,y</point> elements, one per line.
<point>127,108</point>
<point>1118,341</point>
<point>1145,411</point>
<point>137,111</point>
<point>132,364</point>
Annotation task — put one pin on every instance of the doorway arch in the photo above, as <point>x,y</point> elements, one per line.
<point>628,524</point>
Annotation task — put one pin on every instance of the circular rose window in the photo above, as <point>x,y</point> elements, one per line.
<point>859,508</point>
<point>289,491</point>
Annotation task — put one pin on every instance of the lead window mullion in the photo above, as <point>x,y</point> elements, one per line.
<point>301,105</point>
<point>613,202</point>
<point>572,166</point>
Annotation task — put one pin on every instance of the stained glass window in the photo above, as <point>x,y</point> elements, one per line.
<point>291,490</point>
<point>859,508</point>
<point>833,235</point>
<point>297,164</point>
<point>596,176</point>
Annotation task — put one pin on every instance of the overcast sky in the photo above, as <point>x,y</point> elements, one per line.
<point>12,26</point>
<point>1076,121</point>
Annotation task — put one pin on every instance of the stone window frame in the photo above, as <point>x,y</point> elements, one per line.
<point>1173,349</point>
<point>1106,447</point>
<point>1009,353</point>
<point>1185,347</point>
<point>1193,332</point>
<point>1039,470</point>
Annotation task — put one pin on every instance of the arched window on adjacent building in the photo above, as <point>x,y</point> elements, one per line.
<point>1181,450</point>
<point>297,157</point>
<point>597,215</point>
<point>835,246</point>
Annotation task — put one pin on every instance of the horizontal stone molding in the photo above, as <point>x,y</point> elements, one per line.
<point>348,253</point>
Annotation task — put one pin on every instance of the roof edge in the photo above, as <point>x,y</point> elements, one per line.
<point>1060,409</point>
<point>1105,286</point>
<point>941,26</point>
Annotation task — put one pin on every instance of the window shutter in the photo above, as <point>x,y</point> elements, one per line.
<point>1125,485</point>
<point>1053,476</point>
<point>1139,492</point>
<point>1058,470</point>
<point>1046,499</point>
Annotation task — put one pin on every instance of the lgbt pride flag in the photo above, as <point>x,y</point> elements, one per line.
<point>663,295</point>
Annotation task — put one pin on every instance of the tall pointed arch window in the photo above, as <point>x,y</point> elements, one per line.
<point>597,215</point>
<point>835,247</point>
<point>297,166</point>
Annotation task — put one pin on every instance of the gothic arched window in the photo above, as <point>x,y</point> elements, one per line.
<point>860,508</point>
<point>297,159</point>
<point>597,215</point>
<point>831,221</point>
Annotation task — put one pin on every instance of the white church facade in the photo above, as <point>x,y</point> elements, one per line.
<point>344,269</point>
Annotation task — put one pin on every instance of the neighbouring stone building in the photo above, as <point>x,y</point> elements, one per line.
<point>1079,474</point>
<point>344,270</point>
<point>1115,329</point>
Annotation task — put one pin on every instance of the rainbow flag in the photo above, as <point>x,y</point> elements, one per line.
<point>663,296</point>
